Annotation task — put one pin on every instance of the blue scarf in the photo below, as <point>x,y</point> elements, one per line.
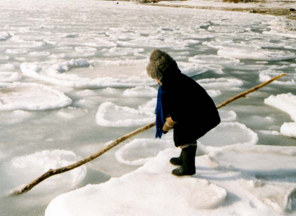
<point>159,113</point>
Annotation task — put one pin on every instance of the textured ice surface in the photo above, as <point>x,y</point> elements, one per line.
<point>229,133</point>
<point>274,160</point>
<point>139,151</point>
<point>220,83</point>
<point>31,96</point>
<point>9,77</point>
<point>226,115</point>
<point>214,93</point>
<point>287,104</point>
<point>153,189</point>
<point>280,197</point>
<point>288,79</point>
<point>112,115</point>
<point>148,106</point>
<point>289,129</point>
<point>256,54</point>
<point>140,91</point>
<point>284,102</point>
<point>59,74</point>
<point>213,59</point>
<point>34,165</point>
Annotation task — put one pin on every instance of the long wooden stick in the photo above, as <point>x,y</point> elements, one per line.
<point>52,172</point>
<point>243,94</point>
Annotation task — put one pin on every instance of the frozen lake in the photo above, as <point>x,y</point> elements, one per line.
<point>72,78</point>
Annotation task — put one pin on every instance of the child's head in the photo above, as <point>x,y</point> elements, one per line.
<point>158,65</point>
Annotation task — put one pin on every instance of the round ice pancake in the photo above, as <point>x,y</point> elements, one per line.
<point>9,77</point>
<point>212,83</point>
<point>145,191</point>
<point>29,167</point>
<point>213,59</point>
<point>288,79</point>
<point>229,133</point>
<point>148,106</point>
<point>30,96</point>
<point>4,36</point>
<point>283,102</point>
<point>79,73</point>
<point>227,115</point>
<point>258,160</point>
<point>139,151</point>
<point>112,115</point>
<point>140,91</point>
<point>289,129</point>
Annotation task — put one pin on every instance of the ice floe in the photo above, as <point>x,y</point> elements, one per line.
<point>41,53</point>
<point>275,161</point>
<point>280,197</point>
<point>9,77</point>
<point>16,51</point>
<point>284,102</point>
<point>256,54</point>
<point>8,67</point>
<point>289,129</point>
<point>219,83</point>
<point>74,73</point>
<point>112,115</point>
<point>213,59</point>
<point>31,96</point>
<point>139,151</point>
<point>229,133</point>
<point>287,104</point>
<point>227,115</point>
<point>34,165</point>
<point>148,106</point>
<point>140,91</point>
<point>15,117</point>
<point>214,93</point>
<point>288,79</point>
<point>154,188</point>
<point>4,36</point>
<point>72,112</point>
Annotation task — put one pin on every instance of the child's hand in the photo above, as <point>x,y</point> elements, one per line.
<point>168,125</point>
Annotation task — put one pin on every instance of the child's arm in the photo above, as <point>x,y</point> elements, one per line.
<point>169,124</point>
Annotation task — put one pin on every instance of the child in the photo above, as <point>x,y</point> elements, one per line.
<point>182,105</point>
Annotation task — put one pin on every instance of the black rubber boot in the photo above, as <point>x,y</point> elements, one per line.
<point>188,158</point>
<point>177,161</point>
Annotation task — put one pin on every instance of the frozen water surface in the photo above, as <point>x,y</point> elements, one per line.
<point>73,78</point>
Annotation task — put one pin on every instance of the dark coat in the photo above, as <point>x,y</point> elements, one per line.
<point>189,105</point>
